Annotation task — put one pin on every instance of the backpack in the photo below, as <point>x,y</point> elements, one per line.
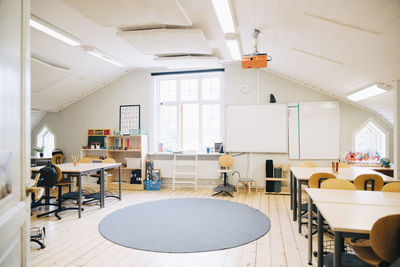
<point>48,176</point>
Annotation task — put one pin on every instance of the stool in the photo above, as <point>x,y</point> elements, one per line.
<point>246,182</point>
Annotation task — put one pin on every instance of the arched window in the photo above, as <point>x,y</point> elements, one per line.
<point>370,138</point>
<point>46,139</point>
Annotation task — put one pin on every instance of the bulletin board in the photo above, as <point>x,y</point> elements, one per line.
<point>129,118</point>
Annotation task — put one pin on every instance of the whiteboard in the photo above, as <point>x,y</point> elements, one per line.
<point>314,129</point>
<point>256,128</point>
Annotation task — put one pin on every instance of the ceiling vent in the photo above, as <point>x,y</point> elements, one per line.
<point>167,40</point>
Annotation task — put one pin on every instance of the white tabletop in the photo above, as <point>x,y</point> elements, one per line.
<point>80,167</point>
<point>304,173</point>
<point>377,198</point>
<point>353,218</point>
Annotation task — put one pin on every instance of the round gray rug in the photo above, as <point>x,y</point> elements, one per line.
<point>185,225</point>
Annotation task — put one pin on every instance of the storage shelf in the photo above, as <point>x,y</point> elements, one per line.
<point>129,150</point>
<point>125,185</point>
<point>89,149</point>
<point>125,168</point>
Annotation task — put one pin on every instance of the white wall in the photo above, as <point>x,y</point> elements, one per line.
<point>101,110</point>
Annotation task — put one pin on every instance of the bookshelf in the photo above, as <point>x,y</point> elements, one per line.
<point>121,147</point>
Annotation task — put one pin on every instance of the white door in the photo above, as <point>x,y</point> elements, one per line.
<point>14,132</point>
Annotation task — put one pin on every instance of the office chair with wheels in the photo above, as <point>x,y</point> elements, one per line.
<point>50,176</point>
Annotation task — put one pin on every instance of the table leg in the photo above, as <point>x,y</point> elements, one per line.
<point>102,191</point>
<point>294,198</point>
<point>119,182</point>
<point>299,205</point>
<point>291,190</point>
<point>320,241</point>
<point>338,249</point>
<point>309,230</point>
<point>79,194</point>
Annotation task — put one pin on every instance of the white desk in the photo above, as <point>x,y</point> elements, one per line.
<point>301,175</point>
<point>348,212</point>
<point>83,169</point>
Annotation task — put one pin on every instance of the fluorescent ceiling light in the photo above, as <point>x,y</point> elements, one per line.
<point>99,54</point>
<point>234,49</point>
<point>371,91</point>
<point>224,15</point>
<point>53,31</point>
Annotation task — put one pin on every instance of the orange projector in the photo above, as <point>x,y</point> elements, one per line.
<point>255,62</point>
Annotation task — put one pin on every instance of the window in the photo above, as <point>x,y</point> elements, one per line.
<point>46,139</point>
<point>188,112</point>
<point>370,139</point>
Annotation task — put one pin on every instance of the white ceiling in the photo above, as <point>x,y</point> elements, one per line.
<point>336,46</point>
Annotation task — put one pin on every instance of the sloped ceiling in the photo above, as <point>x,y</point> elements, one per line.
<point>336,46</point>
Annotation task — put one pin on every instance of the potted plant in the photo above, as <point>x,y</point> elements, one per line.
<point>40,150</point>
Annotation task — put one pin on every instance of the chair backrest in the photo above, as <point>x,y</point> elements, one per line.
<point>108,160</point>
<point>225,161</point>
<point>338,184</point>
<point>308,164</point>
<point>385,238</point>
<point>343,165</point>
<point>391,187</point>
<point>369,182</point>
<point>85,160</point>
<point>317,178</point>
<point>59,174</point>
<point>57,159</point>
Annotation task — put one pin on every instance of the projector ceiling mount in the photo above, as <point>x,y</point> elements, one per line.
<point>255,60</point>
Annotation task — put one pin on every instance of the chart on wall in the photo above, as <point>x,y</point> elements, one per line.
<point>129,118</point>
<point>314,130</point>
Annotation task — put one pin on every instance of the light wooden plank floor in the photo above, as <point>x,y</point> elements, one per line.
<point>77,242</point>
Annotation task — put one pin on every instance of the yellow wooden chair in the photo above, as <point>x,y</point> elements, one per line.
<point>384,243</point>
<point>57,159</point>
<point>369,182</point>
<point>391,187</point>
<point>85,160</point>
<point>316,179</point>
<point>338,184</point>
<point>308,164</point>
<point>343,165</point>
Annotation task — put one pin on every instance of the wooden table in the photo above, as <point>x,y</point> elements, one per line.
<point>349,213</point>
<point>301,175</point>
<point>83,169</point>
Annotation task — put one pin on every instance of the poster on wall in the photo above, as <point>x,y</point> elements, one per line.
<point>5,175</point>
<point>129,118</point>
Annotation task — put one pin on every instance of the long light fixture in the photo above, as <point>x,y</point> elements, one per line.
<point>368,92</point>
<point>99,54</point>
<point>224,15</point>
<point>53,31</point>
<point>234,49</point>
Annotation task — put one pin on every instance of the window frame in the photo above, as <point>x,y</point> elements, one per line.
<point>155,100</point>
<point>45,125</point>
<point>385,146</point>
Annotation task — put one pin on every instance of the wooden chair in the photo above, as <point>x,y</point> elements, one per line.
<point>383,247</point>
<point>57,159</point>
<point>308,164</point>
<point>338,184</point>
<point>391,187</point>
<point>246,182</point>
<point>369,182</point>
<point>343,165</point>
<point>316,179</point>
<point>85,160</point>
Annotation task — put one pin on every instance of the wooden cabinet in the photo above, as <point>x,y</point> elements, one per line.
<point>121,147</point>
